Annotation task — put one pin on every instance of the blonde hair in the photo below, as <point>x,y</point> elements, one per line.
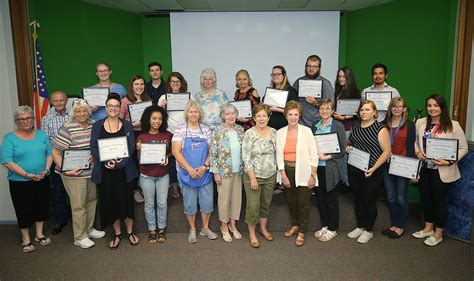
<point>80,104</point>
<point>246,73</point>
<point>193,103</point>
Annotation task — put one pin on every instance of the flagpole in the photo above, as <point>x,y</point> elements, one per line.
<point>36,99</point>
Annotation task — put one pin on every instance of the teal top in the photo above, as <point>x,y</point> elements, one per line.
<point>31,154</point>
<point>321,130</point>
<point>234,151</point>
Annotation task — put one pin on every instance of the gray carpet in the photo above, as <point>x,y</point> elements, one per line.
<point>341,259</point>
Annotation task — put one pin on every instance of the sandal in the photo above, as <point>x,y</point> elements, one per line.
<point>327,236</point>
<point>133,239</point>
<point>28,248</point>
<point>152,238</point>
<point>235,232</point>
<point>299,239</point>
<point>290,232</point>
<point>161,235</point>
<point>44,241</point>
<point>269,236</point>
<point>114,243</point>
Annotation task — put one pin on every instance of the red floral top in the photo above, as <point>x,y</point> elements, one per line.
<point>253,102</point>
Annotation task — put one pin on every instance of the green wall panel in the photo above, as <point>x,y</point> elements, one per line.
<point>157,43</point>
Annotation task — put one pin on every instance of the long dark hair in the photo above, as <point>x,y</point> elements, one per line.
<point>350,90</point>
<point>184,84</point>
<point>131,95</point>
<point>145,120</point>
<point>445,124</point>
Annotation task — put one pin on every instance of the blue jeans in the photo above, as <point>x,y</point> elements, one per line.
<point>155,187</point>
<point>203,194</point>
<point>397,197</point>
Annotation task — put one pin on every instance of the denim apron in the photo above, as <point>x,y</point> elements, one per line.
<point>195,151</point>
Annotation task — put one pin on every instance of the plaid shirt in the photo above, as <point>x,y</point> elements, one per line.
<point>52,122</point>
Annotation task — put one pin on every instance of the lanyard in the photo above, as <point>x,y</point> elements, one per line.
<point>392,135</point>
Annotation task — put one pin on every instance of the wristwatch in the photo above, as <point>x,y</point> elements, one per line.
<point>207,167</point>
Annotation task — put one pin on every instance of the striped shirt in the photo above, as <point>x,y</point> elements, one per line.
<point>73,136</point>
<point>52,122</point>
<point>367,139</point>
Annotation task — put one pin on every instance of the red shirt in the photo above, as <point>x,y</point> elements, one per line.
<point>400,144</point>
<point>155,170</point>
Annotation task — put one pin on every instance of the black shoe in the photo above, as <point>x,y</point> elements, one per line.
<point>394,235</point>
<point>387,232</point>
<point>58,228</point>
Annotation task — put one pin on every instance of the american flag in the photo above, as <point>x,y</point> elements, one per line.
<point>40,90</point>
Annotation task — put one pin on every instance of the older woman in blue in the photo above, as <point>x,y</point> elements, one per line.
<point>211,98</point>
<point>227,166</point>
<point>190,146</point>
<point>26,153</point>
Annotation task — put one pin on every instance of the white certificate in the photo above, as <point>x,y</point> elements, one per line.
<point>244,107</point>
<point>403,166</point>
<point>347,106</point>
<point>381,99</point>
<point>96,96</point>
<point>327,143</point>
<point>177,102</point>
<point>442,149</point>
<point>113,148</point>
<point>275,97</point>
<point>153,153</point>
<point>310,88</point>
<point>75,159</point>
<point>359,159</point>
<point>135,110</point>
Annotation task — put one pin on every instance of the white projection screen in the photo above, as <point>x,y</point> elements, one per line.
<point>255,41</point>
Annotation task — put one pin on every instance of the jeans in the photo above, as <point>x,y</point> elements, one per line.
<point>155,187</point>
<point>191,196</point>
<point>397,198</point>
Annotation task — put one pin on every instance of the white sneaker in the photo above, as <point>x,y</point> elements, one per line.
<point>355,233</point>
<point>365,237</point>
<point>431,241</point>
<point>84,243</point>
<point>94,233</point>
<point>320,232</point>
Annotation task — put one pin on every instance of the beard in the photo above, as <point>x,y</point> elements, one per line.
<point>311,76</point>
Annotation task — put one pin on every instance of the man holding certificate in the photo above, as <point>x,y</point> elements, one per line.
<point>331,141</point>
<point>112,144</point>
<point>309,99</point>
<point>437,174</point>
<point>76,172</point>
<point>380,90</point>
<point>372,138</point>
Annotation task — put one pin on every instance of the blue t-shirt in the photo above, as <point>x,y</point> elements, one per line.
<point>234,151</point>
<point>29,154</point>
<point>100,113</point>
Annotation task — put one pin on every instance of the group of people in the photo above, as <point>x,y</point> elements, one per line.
<point>208,145</point>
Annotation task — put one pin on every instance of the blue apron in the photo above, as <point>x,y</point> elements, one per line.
<point>195,151</point>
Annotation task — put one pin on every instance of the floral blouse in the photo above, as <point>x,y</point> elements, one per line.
<point>259,155</point>
<point>221,160</point>
<point>211,105</point>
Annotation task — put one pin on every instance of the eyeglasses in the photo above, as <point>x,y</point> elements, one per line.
<point>276,74</point>
<point>175,81</point>
<point>112,106</point>
<point>24,119</point>
<point>398,107</point>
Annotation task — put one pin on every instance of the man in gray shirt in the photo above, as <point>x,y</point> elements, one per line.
<point>310,104</point>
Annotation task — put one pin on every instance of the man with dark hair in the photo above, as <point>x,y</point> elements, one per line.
<point>379,76</point>
<point>310,104</point>
<point>156,87</point>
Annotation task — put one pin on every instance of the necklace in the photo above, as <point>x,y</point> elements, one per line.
<point>110,128</point>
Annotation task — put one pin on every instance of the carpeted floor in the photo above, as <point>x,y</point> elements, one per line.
<point>341,259</point>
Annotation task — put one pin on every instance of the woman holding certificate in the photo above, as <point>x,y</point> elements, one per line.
<point>211,98</point>
<point>227,166</point>
<point>280,82</point>
<point>297,159</point>
<point>176,85</point>
<point>329,172</point>
<point>245,91</point>
<point>112,144</point>
<point>437,174</point>
<point>75,136</point>
<point>26,153</point>
<point>346,89</point>
<point>402,140</point>
<point>154,179</point>
<point>135,94</point>
<point>370,137</point>
<point>190,145</point>
<point>258,154</point>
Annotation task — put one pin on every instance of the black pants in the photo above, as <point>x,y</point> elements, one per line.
<point>328,203</point>
<point>365,192</point>
<point>30,200</point>
<point>60,200</point>
<point>433,197</point>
